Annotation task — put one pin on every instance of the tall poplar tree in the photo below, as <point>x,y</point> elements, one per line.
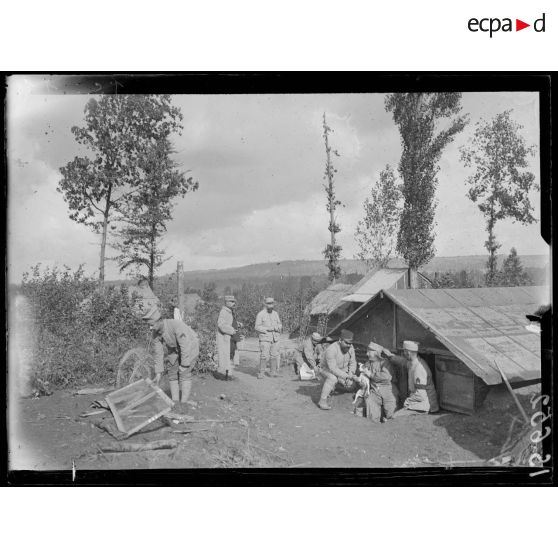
<point>420,118</point>
<point>332,251</point>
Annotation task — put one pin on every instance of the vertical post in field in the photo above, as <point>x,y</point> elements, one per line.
<point>180,287</point>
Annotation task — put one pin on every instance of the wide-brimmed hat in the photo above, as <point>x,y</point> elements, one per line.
<point>411,345</point>
<point>374,346</point>
<point>152,314</point>
<point>316,336</point>
<point>269,300</point>
<point>346,336</point>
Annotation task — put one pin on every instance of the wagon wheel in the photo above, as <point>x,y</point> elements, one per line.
<point>136,363</point>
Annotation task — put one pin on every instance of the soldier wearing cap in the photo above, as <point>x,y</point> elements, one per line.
<point>183,348</point>
<point>227,333</point>
<point>382,376</point>
<point>339,366</point>
<point>311,352</point>
<point>422,393</point>
<point>269,327</point>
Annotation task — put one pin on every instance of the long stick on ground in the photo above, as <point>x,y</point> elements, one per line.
<point>130,446</point>
<point>521,409</point>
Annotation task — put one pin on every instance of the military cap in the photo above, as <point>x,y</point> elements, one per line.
<point>152,314</point>
<point>410,346</point>
<point>346,336</point>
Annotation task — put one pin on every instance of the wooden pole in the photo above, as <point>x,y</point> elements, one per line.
<point>521,409</point>
<point>180,287</point>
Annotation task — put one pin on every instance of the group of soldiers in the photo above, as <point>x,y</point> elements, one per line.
<point>380,394</point>
<point>386,385</point>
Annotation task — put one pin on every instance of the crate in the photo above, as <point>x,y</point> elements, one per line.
<point>457,387</point>
<point>138,404</point>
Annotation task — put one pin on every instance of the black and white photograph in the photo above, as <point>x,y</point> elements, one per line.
<point>282,273</point>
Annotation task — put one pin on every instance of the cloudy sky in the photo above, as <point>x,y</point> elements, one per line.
<point>259,160</point>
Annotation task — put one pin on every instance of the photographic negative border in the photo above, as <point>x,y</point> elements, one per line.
<point>319,82</point>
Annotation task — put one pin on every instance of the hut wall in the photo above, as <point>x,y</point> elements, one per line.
<point>410,329</point>
<point>375,325</point>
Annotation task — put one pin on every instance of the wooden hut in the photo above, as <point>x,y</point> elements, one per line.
<point>339,301</point>
<point>464,335</point>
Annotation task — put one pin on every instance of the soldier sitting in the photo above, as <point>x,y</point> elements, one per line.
<point>379,393</point>
<point>310,353</point>
<point>339,367</point>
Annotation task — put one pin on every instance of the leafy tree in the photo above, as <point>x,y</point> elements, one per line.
<point>512,273</point>
<point>418,117</point>
<point>147,210</point>
<point>332,251</point>
<point>498,152</point>
<point>376,233</point>
<point>118,131</point>
<point>209,293</point>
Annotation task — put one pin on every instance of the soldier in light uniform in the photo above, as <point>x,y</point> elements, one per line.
<point>339,367</point>
<point>226,332</point>
<point>311,352</point>
<point>182,346</point>
<point>422,393</point>
<point>269,327</point>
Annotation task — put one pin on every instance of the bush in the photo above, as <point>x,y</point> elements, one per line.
<point>81,330</point>
<point>204,323</point>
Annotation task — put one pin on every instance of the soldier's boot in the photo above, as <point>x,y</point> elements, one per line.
<point>273,368</point>
<point>326,391</point>
<point>185,389</point>
<point>263,364</point>
<point>324,405</point>
<point>175,393</point>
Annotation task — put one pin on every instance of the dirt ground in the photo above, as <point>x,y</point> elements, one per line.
<point>272,422</point>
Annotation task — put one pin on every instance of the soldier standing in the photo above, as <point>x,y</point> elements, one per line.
<point>225,337</point>
<point>269,327</point>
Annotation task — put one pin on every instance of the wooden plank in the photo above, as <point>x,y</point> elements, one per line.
<point>531,341</point>
<point>490,353</point>
<point>455,386</point>
<point>516,312</point>
<point>441,298</point>
<point>466,297</point>
<point>413,298</point>
<point>521,356</point>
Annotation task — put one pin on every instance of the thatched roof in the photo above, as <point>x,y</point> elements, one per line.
<point>326,301</point>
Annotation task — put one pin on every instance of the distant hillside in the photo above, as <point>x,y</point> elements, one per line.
<point>267,272</point>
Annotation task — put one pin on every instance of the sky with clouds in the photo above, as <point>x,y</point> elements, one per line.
<point>259,160</point>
